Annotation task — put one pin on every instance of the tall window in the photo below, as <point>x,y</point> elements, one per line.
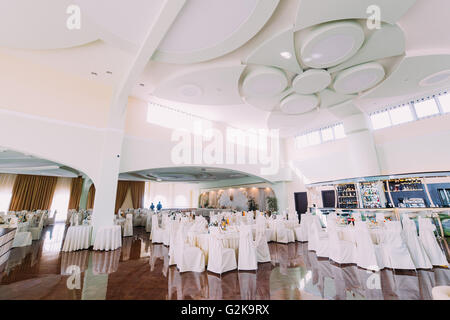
<point>316,137</point>
<point>412,111</point>
<point>61,197</point>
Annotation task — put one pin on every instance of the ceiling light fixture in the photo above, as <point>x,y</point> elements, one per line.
<point>436,79</point>
<point>331,44</point>
<point>359,78</point>
<point>286,54</point>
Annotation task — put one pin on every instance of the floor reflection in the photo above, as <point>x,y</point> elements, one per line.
<point>140,270</point>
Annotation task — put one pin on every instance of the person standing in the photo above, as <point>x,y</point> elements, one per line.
<point>152,207</point>
<point>159,206</point>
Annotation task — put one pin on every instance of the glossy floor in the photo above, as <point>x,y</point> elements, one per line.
<point>140,270</point>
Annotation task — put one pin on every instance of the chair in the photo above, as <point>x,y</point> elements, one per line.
<point>220,259</point>
<point>21,238</point>
<point>157,233</point>
<point>36,231</point>
<point>416,249</point>
<point>262,248</point>
<point>340,251</point>
<point>128,228</point>
<point>301,232</point>
<point>317,239</point>
<point>397,252</point>
<point>367,255</point>
<point>188,258</point>
<point>429,242</point>
<point>51,220</point>
<point>247,250</point>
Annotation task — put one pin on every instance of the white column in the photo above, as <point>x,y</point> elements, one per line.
<point>362,153</point>
<point>84,192</point>
<point>106,184</point>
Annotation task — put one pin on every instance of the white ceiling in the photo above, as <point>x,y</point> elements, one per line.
<point>204,60</point>
<point>19,163</point>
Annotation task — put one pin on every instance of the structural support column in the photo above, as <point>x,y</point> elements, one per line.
<point>362,152</point>
<point>106,184</point>
<point>84,193</point>
<point>280,190</point>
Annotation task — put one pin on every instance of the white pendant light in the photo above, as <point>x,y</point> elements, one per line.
<point>264,82</point>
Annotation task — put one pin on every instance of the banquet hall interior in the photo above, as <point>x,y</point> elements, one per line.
<point>225,150</point>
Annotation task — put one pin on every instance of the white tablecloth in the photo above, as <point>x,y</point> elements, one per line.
<point>108,238</point>
<point>77,238</point>
<point>347,233</point>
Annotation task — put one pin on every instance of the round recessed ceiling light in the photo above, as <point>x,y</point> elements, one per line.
<point>311,81</point>
<point>264,81</point>
<point>331,44</point>
<point>359,78</point>
<point>190,90</point>
<point>436,79</point>
<point>298,104</point>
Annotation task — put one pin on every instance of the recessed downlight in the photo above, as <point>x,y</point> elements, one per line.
<point>190,90</point>
<point>331,44</point>
<point>286,54</point>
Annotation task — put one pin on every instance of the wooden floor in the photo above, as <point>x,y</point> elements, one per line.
<point>139,270</point>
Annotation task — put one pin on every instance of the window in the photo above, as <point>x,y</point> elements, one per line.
<point>302,141</point>
<point>401,115</point>
<point>319,136</point>
<point>444,100</point>
<point>327,134</point>
<point>380,120</point>
<point>313,138</point>
<point>426,108</point>
<point>339,132</point>
<point>61,198</point>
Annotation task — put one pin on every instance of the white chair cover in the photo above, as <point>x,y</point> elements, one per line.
<point>262,248</point>
<point>220,259</point>
<point>397,252</point>
<point>157,234</point>
<point>416,249</point>
<point>36,231</point>
<point>128,228</point>
<point>148,225</point>
<point>247,250</point>
<point>368,255</point>
<point>340,251</point>
<point>426,235</point>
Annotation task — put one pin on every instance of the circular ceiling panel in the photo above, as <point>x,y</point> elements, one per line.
<point>436,79</point>
<point>219,27</point>
<point>311,81</point>
<point>331,44</point>
<point>298,104</point>
<point>44,25</point>
<point>359,78</point>
<point>264,82</point>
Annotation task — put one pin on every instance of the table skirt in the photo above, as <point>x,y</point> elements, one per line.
<point>77,238</point>
<point>108,238</point>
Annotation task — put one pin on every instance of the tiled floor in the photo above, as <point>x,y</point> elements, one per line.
<point>139,270</point>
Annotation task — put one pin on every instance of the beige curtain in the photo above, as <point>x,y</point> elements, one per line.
<point>6,187</point>
<point>91,197</point>
<point>32,192</point>
<point>75,193</point>
<point>122,189</point>
<point>137,189</point>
